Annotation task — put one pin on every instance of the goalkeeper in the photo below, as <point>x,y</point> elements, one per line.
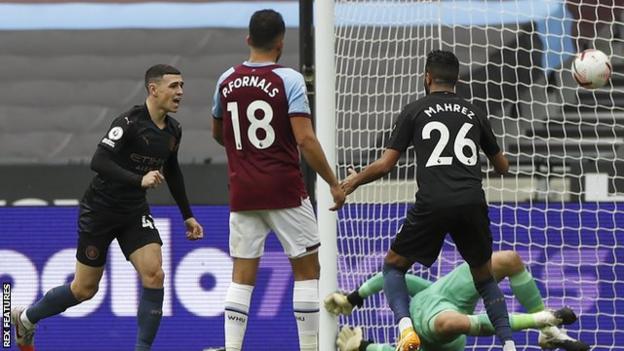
<point>443,311</point>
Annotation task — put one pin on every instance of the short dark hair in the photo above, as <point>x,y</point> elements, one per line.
<point>156,72</point>
<point>443,66</point>
<point>264,27</point>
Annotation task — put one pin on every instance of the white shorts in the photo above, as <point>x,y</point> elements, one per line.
<point>295,228</point>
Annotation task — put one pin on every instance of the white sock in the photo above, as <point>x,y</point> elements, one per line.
<point>405,323</point>
<point>237,301</point>
<point>25,321</point>
<point>509,346</point>
<point>306,307</point>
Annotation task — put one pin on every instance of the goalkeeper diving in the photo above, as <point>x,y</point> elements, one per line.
<point>443,311</point>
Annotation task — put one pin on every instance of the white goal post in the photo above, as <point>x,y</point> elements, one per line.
<point>325,100</point>
<point>562,206</point>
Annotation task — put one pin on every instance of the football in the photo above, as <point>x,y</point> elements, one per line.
<point>591,69</point>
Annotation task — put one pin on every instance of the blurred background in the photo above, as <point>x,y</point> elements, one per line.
<point>69,68</point>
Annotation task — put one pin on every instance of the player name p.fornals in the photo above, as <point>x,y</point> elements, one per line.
<point>250,81</point>
<point>6,315</point>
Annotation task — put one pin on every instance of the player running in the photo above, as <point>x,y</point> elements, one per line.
<point>139,144</point>
<point>261,115</point>
<point>442,311</point>
<point>447,132</point>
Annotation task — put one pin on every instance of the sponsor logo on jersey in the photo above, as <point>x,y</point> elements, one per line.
<point>146,163</point>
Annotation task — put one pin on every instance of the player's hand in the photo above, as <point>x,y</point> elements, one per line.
<point>349,339</point>
<point>152,179</point>
<point>194,230</point>
<point>348,184</point>
<point>337,304</point>
<point>339,197</point>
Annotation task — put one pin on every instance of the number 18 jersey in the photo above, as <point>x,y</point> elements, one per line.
<point>255,101</point>
<point>447,132</point>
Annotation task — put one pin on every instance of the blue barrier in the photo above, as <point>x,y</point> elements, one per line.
<point>37,250</point>
<point>575,251</point>
<point>581,267</point>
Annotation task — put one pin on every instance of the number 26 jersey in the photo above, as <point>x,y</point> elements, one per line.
<point>447,132</point>
<point>255,102</point>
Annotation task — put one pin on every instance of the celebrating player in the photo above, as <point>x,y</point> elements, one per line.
<point>443,311</point>
<point>261,115</point>
<point>446,132</point>
<point>139,144</point>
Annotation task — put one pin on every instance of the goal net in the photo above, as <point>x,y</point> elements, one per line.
<point>561,207</point>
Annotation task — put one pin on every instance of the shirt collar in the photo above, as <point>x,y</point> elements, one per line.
<point>258,64</point>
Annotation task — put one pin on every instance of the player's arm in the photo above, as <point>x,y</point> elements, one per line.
<point>339,303</point>
<point>372,172</point>
<point>400,139</point>
<point>491,149</point>
<point>175,182</point>
<point>315,157</point>
<point>217,112</point>
<point>103,161</point>
<point>217,130</point>
<point>103,164</point>
<point>303,131</point>
<point>500,163</point>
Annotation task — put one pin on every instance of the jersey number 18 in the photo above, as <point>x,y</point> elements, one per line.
<point>255,124</point>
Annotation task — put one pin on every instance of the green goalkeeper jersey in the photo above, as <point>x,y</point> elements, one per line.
<point>455,291</point>
<point>456,287</point>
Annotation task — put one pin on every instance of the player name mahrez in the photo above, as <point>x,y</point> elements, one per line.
<point>432,110</point>
<point>249,81</point>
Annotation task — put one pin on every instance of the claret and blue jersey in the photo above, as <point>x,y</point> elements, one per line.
<point>255,101</point>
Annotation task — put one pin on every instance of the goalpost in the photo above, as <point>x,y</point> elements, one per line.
<point>325,128</point>
<point>562,206</point>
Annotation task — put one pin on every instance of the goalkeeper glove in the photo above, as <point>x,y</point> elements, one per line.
<point>349,339</point>
<point>337,304</point>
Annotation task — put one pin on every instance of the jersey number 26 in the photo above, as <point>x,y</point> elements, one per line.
<point>254,124</point>
<point>458,146</point>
